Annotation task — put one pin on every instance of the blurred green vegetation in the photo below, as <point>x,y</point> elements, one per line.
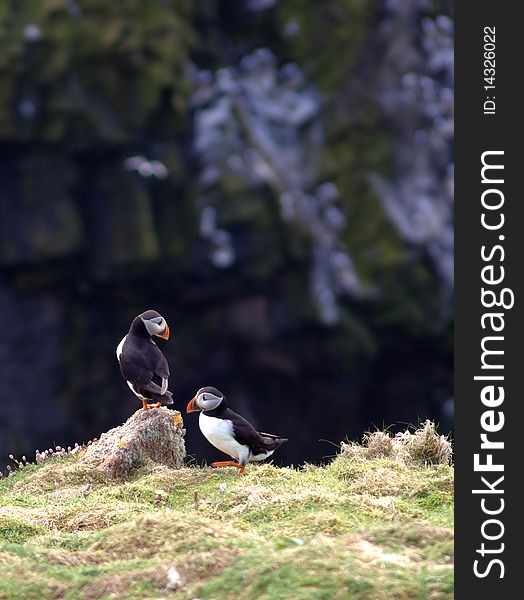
<point>84,85</point>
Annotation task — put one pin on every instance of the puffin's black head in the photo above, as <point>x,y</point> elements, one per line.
<point>207,398</point>
<point>154,323</point>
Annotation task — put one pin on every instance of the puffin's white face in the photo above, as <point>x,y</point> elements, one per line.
<point>157,326</point>
<point>206,398</point>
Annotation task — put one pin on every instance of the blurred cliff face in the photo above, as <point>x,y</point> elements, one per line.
<point>248,172</point>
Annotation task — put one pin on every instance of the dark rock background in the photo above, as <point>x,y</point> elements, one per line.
<point>104,184</point>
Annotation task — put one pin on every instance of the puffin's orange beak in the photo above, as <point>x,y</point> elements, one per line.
<point>164,335</point>
<point>192,406</point>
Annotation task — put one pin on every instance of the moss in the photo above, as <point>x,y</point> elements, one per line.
<point>336,41</point>
<point>73,85</point>
<point>331,36</point>
<point>83,86</point>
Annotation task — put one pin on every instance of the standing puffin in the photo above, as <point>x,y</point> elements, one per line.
<point>142,363</point>
<point>229,432</point>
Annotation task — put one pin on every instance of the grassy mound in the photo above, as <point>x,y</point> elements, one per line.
<point>364,526</point>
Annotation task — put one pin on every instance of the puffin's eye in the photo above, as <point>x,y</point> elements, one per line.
<point>204,397</point>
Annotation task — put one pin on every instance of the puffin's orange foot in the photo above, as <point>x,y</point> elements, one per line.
<point>155,405</point>
<point>228,463</point>
<point>145,405</point>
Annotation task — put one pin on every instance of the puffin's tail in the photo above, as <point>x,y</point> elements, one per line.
<point>279,442</point>
<point>272,442</point>
<point>164,399</point>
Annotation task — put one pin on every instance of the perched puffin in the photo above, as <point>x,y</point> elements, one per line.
<point>142,363</point>
<point>229,432</point>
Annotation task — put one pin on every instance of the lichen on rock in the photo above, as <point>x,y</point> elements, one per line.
<point>155,435</point>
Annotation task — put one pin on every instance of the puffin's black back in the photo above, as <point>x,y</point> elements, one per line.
<point>142,361</point>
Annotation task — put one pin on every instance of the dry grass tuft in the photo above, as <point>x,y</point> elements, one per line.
<point>379,444</point>
<point>118,586</point>
<point>422,446</point>
<point>375,554</point>
<point>96,518</point>
<point>166,534</point>
<point>56,476</point>
<point>352,451</point>
<point>425,445</point>
<point>61,557</point>
<point>107,586</point>
<point>5,557</point>
<point>202,565</point>
<point>154,435</point>
<point>67,518</point>
<point>192,566</point>
<point>419,535</point>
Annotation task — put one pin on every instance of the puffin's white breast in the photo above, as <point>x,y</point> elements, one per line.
<point>263,456</point>
<point>119,347</point>
<point>220,433</point>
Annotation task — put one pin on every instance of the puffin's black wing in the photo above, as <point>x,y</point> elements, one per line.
<point>143,364</point>
<point>134,369</point>
<point>161,374</point>
<point>271,436</point>
<point>247,435</point>
<point>272,441</point>
<point>137,372</point>
<point>162,366</point>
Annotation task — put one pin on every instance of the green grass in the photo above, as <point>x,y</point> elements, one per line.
<point>368,529</point>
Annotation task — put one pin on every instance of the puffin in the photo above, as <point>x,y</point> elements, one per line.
<point>229,432</point>
<point>142,363</point>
